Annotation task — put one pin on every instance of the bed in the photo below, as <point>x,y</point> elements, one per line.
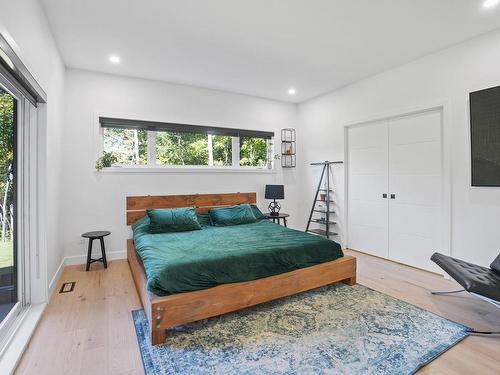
<point>199,274</point>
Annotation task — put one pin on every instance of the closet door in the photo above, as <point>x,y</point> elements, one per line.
<point>415,188</point>
<point>367,182</point>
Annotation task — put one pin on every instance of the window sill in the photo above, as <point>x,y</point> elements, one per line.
<point>174,169</point>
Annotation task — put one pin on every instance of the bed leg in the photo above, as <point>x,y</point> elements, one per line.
<point>350,281</point>
<point>158,336</point>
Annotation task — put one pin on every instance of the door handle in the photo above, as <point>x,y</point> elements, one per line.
<point>393,196</point>
<point>384,195</point>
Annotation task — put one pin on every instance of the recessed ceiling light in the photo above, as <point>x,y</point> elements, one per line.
<point>291,91</point>
<point>114,59</point>
<point>490,3</point>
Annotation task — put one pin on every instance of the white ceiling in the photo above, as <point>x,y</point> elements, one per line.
<point>260,47</point>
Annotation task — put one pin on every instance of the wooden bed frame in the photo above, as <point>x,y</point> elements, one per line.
<point>181,308</point>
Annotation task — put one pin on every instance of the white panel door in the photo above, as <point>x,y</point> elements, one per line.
<point>415,179</point>
<point>367,181</point>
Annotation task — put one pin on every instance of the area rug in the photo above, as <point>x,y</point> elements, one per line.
<point>335,329</point>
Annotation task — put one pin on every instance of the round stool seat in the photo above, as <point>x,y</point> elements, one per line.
<point>96,234</point>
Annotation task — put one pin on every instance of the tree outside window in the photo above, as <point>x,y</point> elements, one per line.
<point>178,148</point>
<point>253,151</point>
<point>6,178</point>
<point>128,145</point>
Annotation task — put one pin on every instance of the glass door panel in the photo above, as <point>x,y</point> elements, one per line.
<point>9,296</point>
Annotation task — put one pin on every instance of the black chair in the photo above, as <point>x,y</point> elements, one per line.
<point>479,281</point>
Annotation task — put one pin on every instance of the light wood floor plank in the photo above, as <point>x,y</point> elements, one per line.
<point>91,331</point>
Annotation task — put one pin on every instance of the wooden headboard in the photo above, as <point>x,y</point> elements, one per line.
<point>137,206</point>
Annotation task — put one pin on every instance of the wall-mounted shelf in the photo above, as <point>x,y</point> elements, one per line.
<point>288,148</point>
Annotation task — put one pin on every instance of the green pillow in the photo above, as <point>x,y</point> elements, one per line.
<point>257,213</point>
<point>142,222</point>
<point>173,220</point>
<point>204,220</point>
<point>234,215</point>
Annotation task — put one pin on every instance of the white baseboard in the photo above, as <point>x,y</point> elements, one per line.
<point>79,259</point>
<point>56,277</point>
<point>82,259</point>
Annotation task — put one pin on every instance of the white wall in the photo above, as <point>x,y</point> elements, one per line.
<point>25,22</point>
<point>444,77</point>
<point>79,199</point>
<point>96,200</point>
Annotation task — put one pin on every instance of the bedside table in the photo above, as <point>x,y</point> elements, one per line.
<point>277,217</point>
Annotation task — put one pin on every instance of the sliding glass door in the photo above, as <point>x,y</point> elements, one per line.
<point>17,116</point>
<point>9,288</point>
<point>23,278</point>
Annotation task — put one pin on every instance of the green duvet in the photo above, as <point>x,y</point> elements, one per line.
<point>187,261</point>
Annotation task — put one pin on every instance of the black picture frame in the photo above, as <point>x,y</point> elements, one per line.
<point>484,115</point>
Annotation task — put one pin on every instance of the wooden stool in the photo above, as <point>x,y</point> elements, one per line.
<point>94,236</point>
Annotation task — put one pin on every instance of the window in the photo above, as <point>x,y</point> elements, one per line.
<point>173,148</point>
<point>254,151</point>
<point>128,145</point>
<point>140,143</point>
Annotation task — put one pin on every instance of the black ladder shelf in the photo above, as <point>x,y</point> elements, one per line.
<point>326,211</point>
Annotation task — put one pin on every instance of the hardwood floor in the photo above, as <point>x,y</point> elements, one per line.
<point>90,331</point>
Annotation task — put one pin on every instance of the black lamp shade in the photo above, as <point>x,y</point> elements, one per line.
<point>275,192</point>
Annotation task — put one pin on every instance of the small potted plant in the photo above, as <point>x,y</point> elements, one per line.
<point>106,160</point>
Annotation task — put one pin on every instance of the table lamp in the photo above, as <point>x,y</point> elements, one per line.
<point>274,192</point>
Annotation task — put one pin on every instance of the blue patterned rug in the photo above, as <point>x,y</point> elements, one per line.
<point>335,329</point>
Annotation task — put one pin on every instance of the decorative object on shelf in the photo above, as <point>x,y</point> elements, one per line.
<point>288,148</point>
<point>271,158</point>
<point>106,160</point>
<point>274,192</point>
<point>323,203</point>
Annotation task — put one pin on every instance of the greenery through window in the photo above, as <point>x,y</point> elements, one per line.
<point>253,151</point>
<point>181,148</point>
<point>173,148</point>
<point>222,150</point>
<point>147,147</point>
<point>7,223</point>
<point>130,146</point>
